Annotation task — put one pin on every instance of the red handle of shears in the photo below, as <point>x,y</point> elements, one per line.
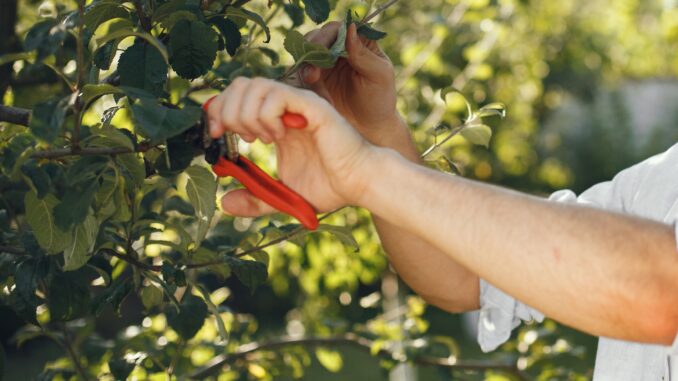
<point>266,188</point>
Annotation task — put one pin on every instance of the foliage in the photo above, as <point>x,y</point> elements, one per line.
<point>106,210</point>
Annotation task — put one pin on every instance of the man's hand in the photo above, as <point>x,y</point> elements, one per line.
<point>323,162</point>
<point>361,87</point>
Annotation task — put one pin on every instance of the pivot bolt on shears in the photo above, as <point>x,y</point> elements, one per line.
<point>223,155</point>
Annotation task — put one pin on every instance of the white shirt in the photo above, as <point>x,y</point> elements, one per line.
<point>648,189</point>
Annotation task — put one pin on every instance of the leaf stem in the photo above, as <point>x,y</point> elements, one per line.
<point>67,344</point>
<point>378,11</point>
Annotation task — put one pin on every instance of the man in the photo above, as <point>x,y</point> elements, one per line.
<point>605,263</point>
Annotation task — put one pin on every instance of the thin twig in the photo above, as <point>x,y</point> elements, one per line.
<point>66,343</point>
<point>15,115</point>
<point>132,261</point>
<point>12,250</point>
<point>215,365</point>
<point>378,11</point>
<point>91,151</point>
<point>449,136</point>
<point>270,243</point>
<point>80,77</point>
<point>143,19</point>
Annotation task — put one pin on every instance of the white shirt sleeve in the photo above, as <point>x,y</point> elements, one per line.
<point>500,313</point>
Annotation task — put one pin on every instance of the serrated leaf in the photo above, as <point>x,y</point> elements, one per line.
<point>79,249</point>
<point>158,122</point>
<point>317,10</point>
<point>133,167</point>
<point>39,215</point>
<point>343,233</point>
<point>46,37</point>
<point>478,134</point>
<point>178,204</point>
<point>21,56</point>
<point>330,359</point>
<point>370,33</point>
<point>193,47</point>
<point>108,136</point>
<point>176,16</point>
<point>241,15</point>
<point>201,188</point>
<point>112,296</point>
<point>102,11</point>
<point>104,56</point>
<point>142,66</point>
<point>250,273</point>
<point>47,119</point>
<point>190,317</point>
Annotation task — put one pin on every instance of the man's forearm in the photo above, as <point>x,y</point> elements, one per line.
<point>433,275</point>
<point>604,273</point>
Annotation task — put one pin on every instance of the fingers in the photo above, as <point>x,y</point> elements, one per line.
<point>252,108</point>
<point>242,203</point>
<point>366,57</point>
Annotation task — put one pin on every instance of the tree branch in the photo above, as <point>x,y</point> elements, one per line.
<point>143,19</point>
<point>91,151</point>
<point>378,11</point>
<point>214,366</point>
<point>132,261</point>
<point>66,343</point>
<point>12,250</point>
<point>15,115</point>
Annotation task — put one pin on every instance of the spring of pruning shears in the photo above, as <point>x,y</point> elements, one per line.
<point>223,155</point>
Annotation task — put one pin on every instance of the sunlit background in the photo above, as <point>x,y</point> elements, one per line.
<point>590,88</point>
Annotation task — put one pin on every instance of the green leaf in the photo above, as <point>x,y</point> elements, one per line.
<point>330,359</point>
<point>143,67</point>
<point>370,33</point>
<point>40,216</point>
<point>108,136</point>
<point>295,13</point>
<point>79,249</point>
<point>68,297</point>
<point>91,92</point>
<point>102,11</point>
<point>21,56</point>
<point>479,134</point>
<point>231,33</point>
<point>26,277</point>
<point>151,296</point>
<point>190,317</point>
<point>47,119</point>
<point>492,109</point>
<point>128,31</point>
<point>338,48</point>
<point>171,20</point>
<point>450,89</point>
<point>178,204</point>
<point>2,361</point>
<point>317,10</point>
<point>104,56</point>
<point>201,188</point>
<point>74,207</point>
<point>37,178</point>
<point>304,51</point>
<point>241,15</point>
<point>120,368</point>
<point>193,46</point>
<point>214,310</point>
<point>132,167</point>
<point>250,273</point>
<point>343,233</point>
<point>158,122</point>
<point>46,37</point>
<point>112,296</point>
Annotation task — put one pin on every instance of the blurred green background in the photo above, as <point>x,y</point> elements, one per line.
<point>590,88</point>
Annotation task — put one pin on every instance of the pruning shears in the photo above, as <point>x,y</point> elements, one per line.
<point>223,155</point>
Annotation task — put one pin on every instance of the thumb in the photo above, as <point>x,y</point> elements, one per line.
<point>363,60</point>
<point>242,203</point>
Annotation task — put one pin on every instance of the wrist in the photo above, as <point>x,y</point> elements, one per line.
<point>380,166</point>
<point>392,132</point>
